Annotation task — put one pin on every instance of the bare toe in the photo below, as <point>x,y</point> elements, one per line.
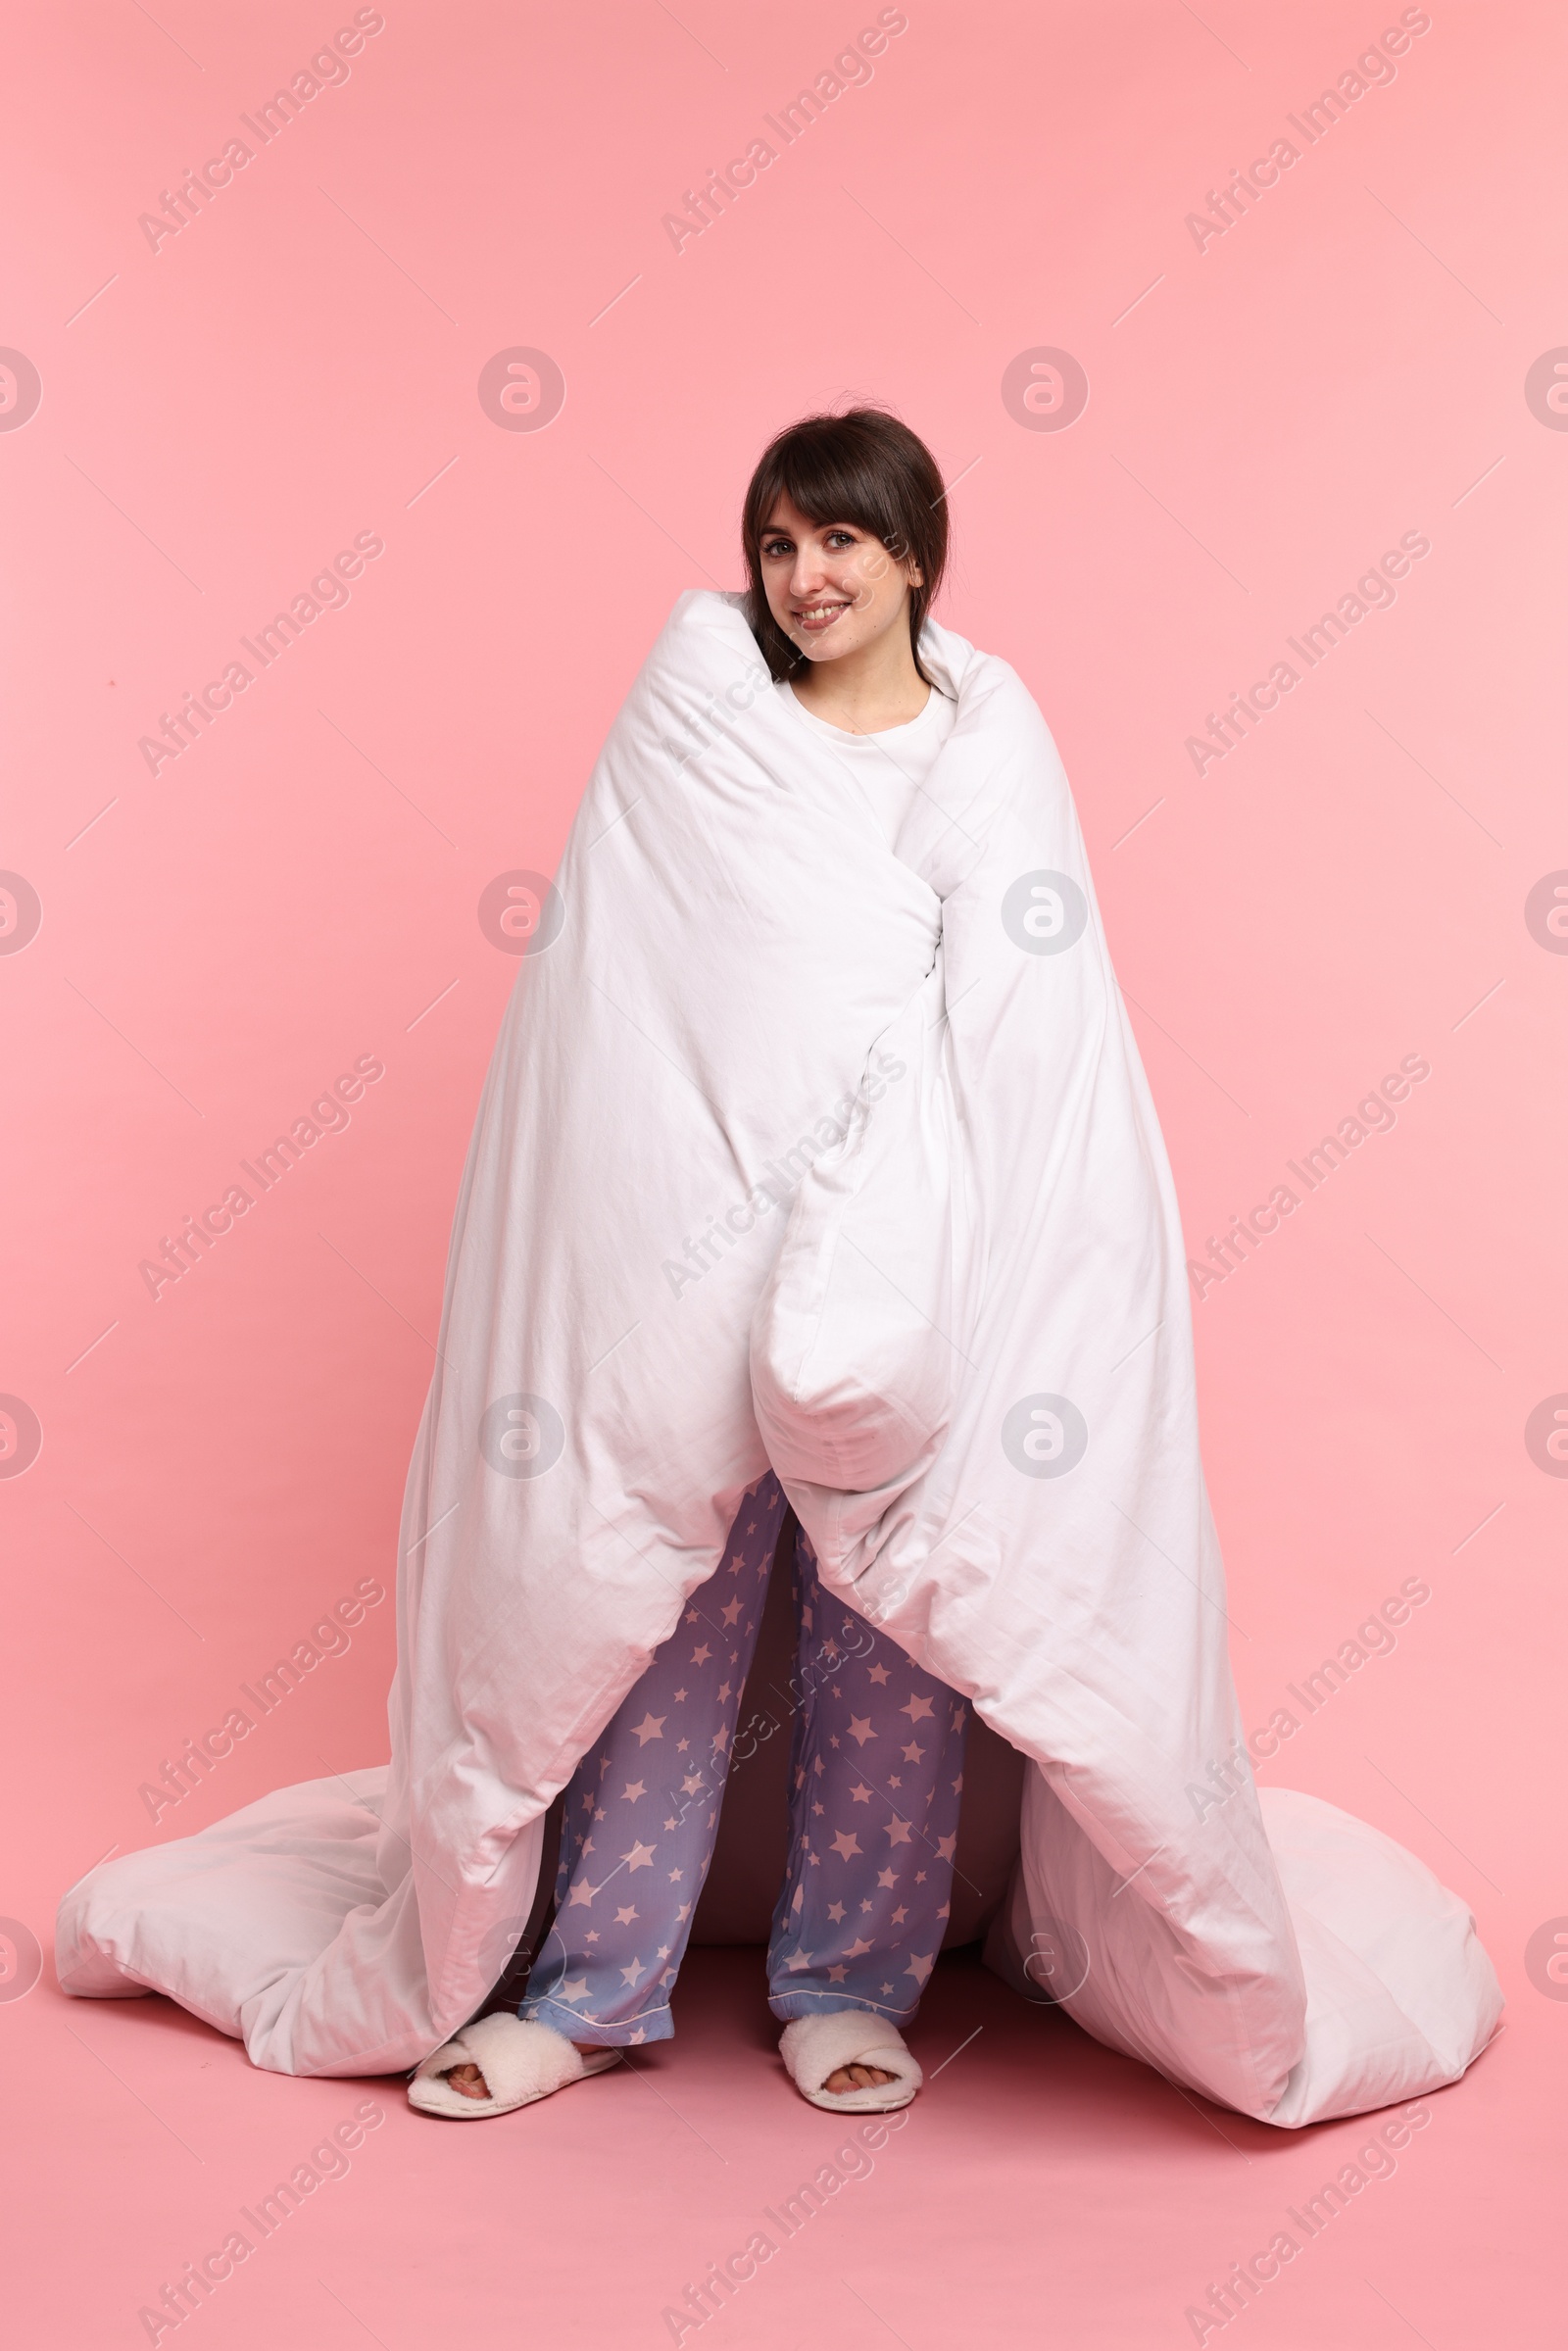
<point>856,2077</point>
<point>468,2079</point>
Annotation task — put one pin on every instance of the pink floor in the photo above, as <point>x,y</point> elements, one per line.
<point>1041,2190</point>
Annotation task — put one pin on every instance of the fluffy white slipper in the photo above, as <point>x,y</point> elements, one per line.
<point>520,2061</point>
<point>814,2046</point>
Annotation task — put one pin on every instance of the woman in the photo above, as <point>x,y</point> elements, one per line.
<point>815,1160</point>
<point>845,537</point>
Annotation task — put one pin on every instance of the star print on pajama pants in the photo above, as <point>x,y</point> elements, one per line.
<point>876,1772</point>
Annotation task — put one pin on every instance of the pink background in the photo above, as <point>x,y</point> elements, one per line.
<point>299,887</point>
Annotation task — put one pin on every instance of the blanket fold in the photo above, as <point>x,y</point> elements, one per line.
<point>799,1149</point>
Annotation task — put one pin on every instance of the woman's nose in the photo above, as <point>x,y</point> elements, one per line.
<point>809,572</point>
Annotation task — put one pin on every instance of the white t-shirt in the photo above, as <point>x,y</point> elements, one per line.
<point>888,768</point>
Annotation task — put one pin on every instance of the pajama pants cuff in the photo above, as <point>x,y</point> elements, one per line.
<point>787,2005</point>
<point>634,2033</point>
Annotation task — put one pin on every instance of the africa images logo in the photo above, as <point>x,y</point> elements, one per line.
<point>1045,1436</point>
<point>1045,913</point>
<point>523,1436</point>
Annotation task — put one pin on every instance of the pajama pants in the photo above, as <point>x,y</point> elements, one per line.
<point>876,1767</point>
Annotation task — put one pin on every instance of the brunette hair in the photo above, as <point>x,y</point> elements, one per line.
<point>862,468</point>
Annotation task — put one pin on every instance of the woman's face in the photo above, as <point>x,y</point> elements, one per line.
<point>832,587</point>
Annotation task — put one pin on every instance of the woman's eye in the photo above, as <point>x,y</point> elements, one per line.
<point>777,547</point>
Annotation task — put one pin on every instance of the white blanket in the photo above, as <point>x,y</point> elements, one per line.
<point>799,1149</point>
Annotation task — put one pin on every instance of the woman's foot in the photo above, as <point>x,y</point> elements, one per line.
<point>471,2082</point>
<point>856,2076</point>
<point>851,2061</point>
<point>498,2063</point>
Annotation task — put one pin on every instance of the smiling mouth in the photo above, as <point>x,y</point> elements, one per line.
<point>815,617</point>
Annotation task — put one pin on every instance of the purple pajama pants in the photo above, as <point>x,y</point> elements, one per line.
<point>877,1769</point>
